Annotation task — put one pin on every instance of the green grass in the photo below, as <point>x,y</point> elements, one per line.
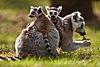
<point>14,18</point>
<point>64,62</point>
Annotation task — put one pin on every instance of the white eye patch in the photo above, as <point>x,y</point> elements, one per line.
<point>31,10</point>
<point>76,25</point>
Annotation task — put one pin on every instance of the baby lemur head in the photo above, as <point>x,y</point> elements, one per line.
<point>53,12</point>
<point>35,11</point>
<point>78,23</point>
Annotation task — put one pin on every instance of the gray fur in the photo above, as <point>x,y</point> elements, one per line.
<point>67,43</point>
<point>31,43</point>
<point>66,26</point>
<point>76,45</point>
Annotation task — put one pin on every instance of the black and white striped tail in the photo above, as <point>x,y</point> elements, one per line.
<point>47,45</point>
<point>9,58</point>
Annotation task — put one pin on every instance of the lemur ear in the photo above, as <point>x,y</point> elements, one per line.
<point>75,17</point>
<point>79,13</point>
<point>31,7</point>
<point>39,9</point>
<point>47,7</point>
<point>60,8</point>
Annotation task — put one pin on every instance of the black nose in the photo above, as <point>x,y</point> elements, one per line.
<point>82,33</point>
<point>52,16</point>
<point>55,22</point>
<point>30,16</point>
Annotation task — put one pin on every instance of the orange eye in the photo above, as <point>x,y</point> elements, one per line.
<point>50,13</point>
<point>55,13</point>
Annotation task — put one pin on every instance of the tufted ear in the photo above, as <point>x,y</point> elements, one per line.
<point>79,13</point>
<point>31,7</point>
<point>75,17</point>
<point>47,7</point>
<point>39,9</point>
<point>59,8</point>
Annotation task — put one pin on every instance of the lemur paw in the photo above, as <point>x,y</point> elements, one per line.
<point>86,43</point>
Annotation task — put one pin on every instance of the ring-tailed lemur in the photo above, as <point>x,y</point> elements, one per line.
<point>38,38</point>
<point>10,58</point>
<point>71,23</point>
<point>53,14</point>
<point>39,35</point>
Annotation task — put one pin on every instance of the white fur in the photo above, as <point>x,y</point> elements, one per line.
<point>40,7</point>
<point>47,7</point>
<point>60,8</point>
<point>78,23</point>
<point>36,12</point>
<point>53,11</point>
<point>31,7</point>
<point>78,41</point>
<point>16,44</point>
<point>8,58</point>
<point>1,60</point>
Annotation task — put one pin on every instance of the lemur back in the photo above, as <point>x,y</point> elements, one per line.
<point>44,25</point>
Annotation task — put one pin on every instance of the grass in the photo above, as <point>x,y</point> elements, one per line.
<point>14,18</point>
<point>47,63</point>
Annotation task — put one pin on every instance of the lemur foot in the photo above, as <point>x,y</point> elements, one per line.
<point>86,43</point>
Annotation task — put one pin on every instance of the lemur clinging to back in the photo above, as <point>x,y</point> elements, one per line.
<point>67,27</point>
<point>53,14</point>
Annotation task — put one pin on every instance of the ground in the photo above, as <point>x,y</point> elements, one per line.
<point>12,21</point>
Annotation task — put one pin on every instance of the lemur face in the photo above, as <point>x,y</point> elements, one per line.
<point>53,12</point>
<point>35,11</point>
<point>78,23</point>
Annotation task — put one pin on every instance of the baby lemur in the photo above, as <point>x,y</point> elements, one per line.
<point>53,14</point>
<point>66,26</point>
<point>39,38</point>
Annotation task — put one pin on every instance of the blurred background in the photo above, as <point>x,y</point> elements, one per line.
<point>14,18</point>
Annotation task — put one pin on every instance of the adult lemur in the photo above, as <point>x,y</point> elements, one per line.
<point>40,38</point>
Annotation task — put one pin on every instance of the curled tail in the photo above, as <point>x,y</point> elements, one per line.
<point>10,58</point>
<point>48,47</point>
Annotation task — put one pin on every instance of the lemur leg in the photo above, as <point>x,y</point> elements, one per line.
<point>77,44</point>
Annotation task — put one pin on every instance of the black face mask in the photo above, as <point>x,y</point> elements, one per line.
<point>54,20</point>
<point>82,33</point>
